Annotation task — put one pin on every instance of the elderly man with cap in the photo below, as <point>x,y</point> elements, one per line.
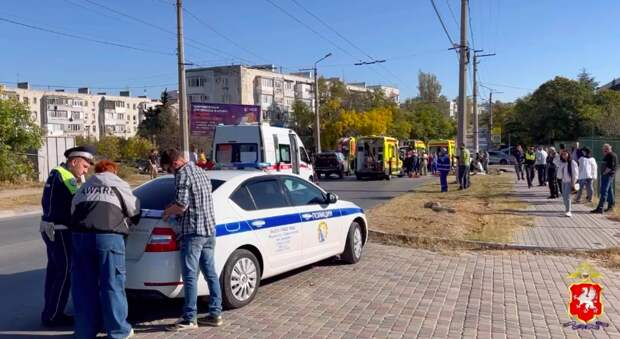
<point>60,187</point>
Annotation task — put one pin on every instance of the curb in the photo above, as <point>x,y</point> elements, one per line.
<point>431,243</point>
<point>21,212</point>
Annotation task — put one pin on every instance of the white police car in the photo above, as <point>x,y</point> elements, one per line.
<point>267,224</point>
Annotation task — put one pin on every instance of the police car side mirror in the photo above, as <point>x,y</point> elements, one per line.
<point>331,198</point>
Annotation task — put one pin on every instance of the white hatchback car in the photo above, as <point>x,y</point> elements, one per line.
<point>267,224</point>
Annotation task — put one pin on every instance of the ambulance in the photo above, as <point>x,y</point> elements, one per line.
<point>377,157</point>
<point>434,146</point>
<point>259,145</point>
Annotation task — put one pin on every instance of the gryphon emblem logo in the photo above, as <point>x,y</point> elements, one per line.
<point>586,300</point>
<point>322,231</point>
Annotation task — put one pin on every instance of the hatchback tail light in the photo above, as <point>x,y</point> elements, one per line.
<point>163,239</point>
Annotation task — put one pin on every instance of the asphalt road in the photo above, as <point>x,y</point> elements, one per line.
<point>23,260</point>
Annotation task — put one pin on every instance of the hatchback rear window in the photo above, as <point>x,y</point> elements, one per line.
<point>158,194</point>
<point>229,153</point>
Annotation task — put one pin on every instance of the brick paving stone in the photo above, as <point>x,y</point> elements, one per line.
<point>551,229</point>
<point>407,293</point>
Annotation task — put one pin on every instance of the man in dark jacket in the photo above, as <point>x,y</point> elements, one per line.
<point>608,174</point>
<point>551,174</point>
<point>60,187</point>
<point>102,209</point>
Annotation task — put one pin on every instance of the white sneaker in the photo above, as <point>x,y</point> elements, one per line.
<point>568,214</point>
<point>131,334</point>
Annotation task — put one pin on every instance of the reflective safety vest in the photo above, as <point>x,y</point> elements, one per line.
<point>68,179</point>
<point>530,156</point>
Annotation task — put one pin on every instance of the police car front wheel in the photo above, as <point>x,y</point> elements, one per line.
<point>240,279</point>
<point>355,243</point>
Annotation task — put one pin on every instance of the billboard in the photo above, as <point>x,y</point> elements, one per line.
<point>205,116</point>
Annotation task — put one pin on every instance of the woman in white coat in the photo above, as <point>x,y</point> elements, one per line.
<point>587,174</point>
<point>568,173</point>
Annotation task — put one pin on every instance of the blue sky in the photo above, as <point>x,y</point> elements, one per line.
<point>535,40</point>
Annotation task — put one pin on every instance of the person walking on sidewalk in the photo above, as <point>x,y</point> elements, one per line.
<point>530,161</point>
<point>588,171</point>
<point>557,161</point>
<point>60,187</point>
<point>443,166</point>
<point>424,164</point>
<point>608,173</point>
<point>519,158</point>
<point>568,173</point>
<point>552,170</point>
<point>194,203</point>
<point>102,211</point>
<point>541,166</point>
<point>463,161</point>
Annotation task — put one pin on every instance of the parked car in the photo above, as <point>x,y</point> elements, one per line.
<point>267,224</point>
<point>327,163</point>
<point>501,158</point>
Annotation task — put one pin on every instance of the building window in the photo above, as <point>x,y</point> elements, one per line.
<point>266,100</point>
<point>120,116</point>
<point>34,100</point>
<point>196,82</point>
<point>26,100</point>
<point>75,115</point>
<point>58,114</point>
<point>73,128</point>
<point>266,82</point>
<point>134,106</point>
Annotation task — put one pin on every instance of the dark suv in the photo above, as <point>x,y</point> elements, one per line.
<point>330,162</point>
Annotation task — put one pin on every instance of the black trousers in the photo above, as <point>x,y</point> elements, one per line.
<point>529,174</point>
<point>541,174</point>
<point>57,275</point>
<point>554,190</point>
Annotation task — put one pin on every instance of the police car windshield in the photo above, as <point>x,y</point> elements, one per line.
<point>158,194</point>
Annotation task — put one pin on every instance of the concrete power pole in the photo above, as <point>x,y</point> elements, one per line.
<point>475,92</point>
<point>317,124</point>
<point>184,120</point>
<point>464,56</point>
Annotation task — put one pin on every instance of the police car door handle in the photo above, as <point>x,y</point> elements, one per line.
<point>258,223</point>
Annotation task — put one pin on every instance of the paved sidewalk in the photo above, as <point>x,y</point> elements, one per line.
<point>554,230</point>
<point>399,292</point>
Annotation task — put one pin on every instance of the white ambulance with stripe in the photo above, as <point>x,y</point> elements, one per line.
<point>274,149</point>
<point>267,224</point>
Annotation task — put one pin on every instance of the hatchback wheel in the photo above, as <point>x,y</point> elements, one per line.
<point>240,279</point>
<point>355,244</point>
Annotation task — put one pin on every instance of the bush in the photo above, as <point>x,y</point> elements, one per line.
<point>135,148</point>
<point>109,147</point>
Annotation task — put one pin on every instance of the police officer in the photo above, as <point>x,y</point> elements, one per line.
<point>443,166</point>
<point>60,187</point>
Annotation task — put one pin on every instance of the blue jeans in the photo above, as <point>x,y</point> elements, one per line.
<point>197,253</point>
<point>607,192</point>
<point>463,177</point>
<point>98,290</point>
<point>587,185</point>
<point>567,188</point>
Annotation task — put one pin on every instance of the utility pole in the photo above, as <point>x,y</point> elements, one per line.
<point>184,120</point>
<point>464,56</point>
<point>490,122</point>
<point>475,90</point>
<point>317,124</point>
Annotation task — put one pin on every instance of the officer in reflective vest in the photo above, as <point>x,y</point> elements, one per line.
<point>60,187</point>
<point>443,166</point>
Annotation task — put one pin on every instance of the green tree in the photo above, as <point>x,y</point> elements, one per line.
<point>135,148</point>
<point>607,115</point>
<point>587,79</point>
<point>19,135</point>
<point>429,87</point>
<point>109,147</point>
<point>303,122</point>
<point>161,125</point>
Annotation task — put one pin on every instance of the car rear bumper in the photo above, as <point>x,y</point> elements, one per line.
<point>155,274</point>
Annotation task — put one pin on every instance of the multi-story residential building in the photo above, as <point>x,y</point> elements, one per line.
<point>389,91</point>
<point>63,113</point>
<point>265,86</point>
<point>454,108</point>
<point>613,85</point>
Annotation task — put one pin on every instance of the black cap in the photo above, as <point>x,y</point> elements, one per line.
<point>87,152</point>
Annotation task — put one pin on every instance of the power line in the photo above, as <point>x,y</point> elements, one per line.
<point>471,29</point>
<point>443,25</point>
<point>452,13</point>
<point>222,35</point>
<point>80,37</point>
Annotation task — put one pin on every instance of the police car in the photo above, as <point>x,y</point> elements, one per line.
<point>267,224</point>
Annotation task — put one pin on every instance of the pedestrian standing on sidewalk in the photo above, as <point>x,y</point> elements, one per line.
<point>552,170</point>
<point>424,164</point>
<point>485,161</point>
<point>463,161</point>
<point>568,173</point>
<point>60,187</point>
<point>153,163</point>
<point>541,164</point>
<point>588,171</point>
<point>415,163</point>
<point>519,159</point>
<point>530,161</point>
<point>443,166</point>
<point>194,204</point>
<point>558,161</point>
<point>102,211</point>
<point>608,173</point>
<point>576,152</point>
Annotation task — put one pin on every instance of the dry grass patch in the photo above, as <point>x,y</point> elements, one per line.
<point>20,201</point>
<point>7,186</point>
<point>486,212</point>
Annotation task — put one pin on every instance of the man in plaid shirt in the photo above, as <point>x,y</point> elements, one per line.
<point>194,205</point>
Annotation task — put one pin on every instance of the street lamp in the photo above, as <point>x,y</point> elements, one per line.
<point>316,102</point>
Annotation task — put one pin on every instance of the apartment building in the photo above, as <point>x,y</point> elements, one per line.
<point>83,114</point>
<point>275,92</point>
<point>389,91</point>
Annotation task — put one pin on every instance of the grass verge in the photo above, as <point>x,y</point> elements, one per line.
<point>486,212</point>
<point>20,201</point>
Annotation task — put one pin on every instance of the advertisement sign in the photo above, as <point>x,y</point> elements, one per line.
<point>205,116</point>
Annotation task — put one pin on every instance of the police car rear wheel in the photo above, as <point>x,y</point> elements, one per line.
<point>353,249</point>
<point>241,279</point>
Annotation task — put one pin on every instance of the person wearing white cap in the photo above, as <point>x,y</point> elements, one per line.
<point>60,187</point>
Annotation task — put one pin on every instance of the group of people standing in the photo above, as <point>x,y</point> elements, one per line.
<point>197,157</point>
<point>85,224</point>
<point>417,163</point>
<point>568,171</point>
